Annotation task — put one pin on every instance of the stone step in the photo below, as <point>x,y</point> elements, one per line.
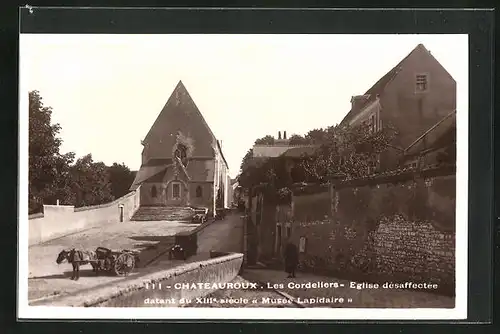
<point>149,213</point>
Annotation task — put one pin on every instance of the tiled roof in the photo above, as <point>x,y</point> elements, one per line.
<point>379,86</point>
<point>299,151</point>
<point>145,172</point>
<point>158,177</point>
<point>269,151</point>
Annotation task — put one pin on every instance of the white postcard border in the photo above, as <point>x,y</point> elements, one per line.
<point>51,312</point>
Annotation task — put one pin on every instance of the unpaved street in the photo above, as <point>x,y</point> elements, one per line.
<point>149,237</point>
<point>48,278</point>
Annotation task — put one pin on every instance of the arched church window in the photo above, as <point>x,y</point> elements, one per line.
<point>181,152</point>
<point>153,192</point>
<point>199,192</point>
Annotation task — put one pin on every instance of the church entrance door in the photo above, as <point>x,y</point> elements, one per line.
<point>176,194</point>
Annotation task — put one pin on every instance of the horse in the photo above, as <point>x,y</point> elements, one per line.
<point>78,258</point>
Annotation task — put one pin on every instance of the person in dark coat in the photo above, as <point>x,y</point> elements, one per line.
<point>291,258</point>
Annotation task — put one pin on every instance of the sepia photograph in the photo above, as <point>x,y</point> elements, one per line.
<point>243,176</point>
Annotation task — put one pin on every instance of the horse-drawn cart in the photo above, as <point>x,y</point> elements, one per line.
<point>120,262</point>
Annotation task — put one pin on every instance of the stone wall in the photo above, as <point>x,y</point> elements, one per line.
<point>395,230</point>
<point>60,220</point>
<point>175,283</point>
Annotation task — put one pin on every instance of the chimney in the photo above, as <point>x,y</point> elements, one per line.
<point>279,134</point>
<point>357,101</point>
<point>284,134</point>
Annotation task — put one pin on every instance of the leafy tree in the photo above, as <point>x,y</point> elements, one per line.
<point>120,178</point>
<point>91,184</point>
<point>317,136</point>
<point>246,159</point>
<point>348,151</point>
<point>267,140</point>
<point>297,140</point>
<point>49,176</point>
<point>54,176</point>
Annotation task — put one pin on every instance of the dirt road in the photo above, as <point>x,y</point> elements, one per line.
<point>151,238</point>
<point>48,278</point>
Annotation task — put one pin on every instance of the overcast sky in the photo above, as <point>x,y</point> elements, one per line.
<point>107,90</point>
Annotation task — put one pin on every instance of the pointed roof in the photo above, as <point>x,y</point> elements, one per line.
<point>179,93</point>
<point>379,86</point>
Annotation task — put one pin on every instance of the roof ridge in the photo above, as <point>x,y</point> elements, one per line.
<point>381,83</point>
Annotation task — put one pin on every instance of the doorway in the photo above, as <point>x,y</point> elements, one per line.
<point>277,250</point>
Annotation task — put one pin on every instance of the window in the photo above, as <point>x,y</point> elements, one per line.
<point>372,123</point>
<point>288,231</point>
<point>176,190</point>
<point>181,153</point>
<point>153,192</point>
<point>302,244</point>
<point>422,82</point>
<point>199,192</point>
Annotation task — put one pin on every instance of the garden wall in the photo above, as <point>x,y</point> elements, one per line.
<point>60,220</point>
<point>392,229</point>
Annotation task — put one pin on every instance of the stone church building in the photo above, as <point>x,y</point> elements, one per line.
<point>182,161</point>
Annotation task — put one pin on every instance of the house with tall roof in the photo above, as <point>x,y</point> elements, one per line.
<point>417,98</point>
<point>182,161</point>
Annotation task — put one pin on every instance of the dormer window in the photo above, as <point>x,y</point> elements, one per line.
<point>422,82</point>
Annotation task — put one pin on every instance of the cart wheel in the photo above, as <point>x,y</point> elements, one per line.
<point>124,264</point>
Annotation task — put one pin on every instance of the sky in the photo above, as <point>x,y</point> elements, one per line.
<point>107,90</point>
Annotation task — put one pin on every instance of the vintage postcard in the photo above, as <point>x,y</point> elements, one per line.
<point>243,176</point>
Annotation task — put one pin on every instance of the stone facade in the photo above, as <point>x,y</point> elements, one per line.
<point>390,229</point>
<point>182,161</point>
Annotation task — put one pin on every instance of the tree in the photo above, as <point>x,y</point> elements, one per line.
<point>297,140</point>
<point>48,168</point>
<point>267,140</point>
<point>246,159</point>
<point>120,178</point>
<point>348,151</point>
<point>57,177</point>
<point>317,136</point>
<point>91,184</point>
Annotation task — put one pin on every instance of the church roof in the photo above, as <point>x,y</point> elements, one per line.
<point>158,177</point>
<point>181,93</point>
<point>146,172</point>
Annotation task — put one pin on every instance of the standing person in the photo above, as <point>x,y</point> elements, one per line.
<point>291,258</point>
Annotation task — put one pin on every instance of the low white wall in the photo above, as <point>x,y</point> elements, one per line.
<point>60,220</point>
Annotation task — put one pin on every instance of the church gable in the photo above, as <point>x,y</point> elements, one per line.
<point>179,123</point>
